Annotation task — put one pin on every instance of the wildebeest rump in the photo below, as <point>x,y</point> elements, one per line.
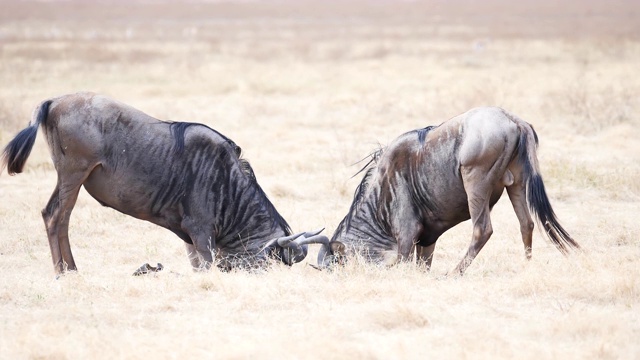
<point>428,180</point>
<point>185,177</point>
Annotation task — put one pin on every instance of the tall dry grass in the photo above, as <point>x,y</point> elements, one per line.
<point>307,89</point>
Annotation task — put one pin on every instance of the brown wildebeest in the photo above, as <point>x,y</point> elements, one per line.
<point>428,180</point>
<point>185,177</point>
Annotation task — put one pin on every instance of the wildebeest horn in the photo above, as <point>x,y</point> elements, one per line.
<point>293,248</point>
<point>285,241</point>
<point>282,241</point>
<point>316,239</point>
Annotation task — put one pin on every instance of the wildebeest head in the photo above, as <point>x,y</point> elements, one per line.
<point>360,224</point>
<point>293,248</point>
<point>333,252</point>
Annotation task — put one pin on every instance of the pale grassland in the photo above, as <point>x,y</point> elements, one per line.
<point>307,90</point>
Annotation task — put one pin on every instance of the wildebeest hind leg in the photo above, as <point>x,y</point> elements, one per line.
<point>56,217</point>
<point>478,194</point>
<point>482,231</point>
<point>50,212</point>
<point>518,197</point>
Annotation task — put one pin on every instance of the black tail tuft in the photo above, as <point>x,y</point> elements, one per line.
<point>17,152</point>
<point>540,205</point>
<point>537,195</point>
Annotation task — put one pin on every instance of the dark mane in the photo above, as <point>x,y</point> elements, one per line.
<point>178,130</point>
<point>358,195</point>
<point>278,219</point>
<point>369,167</point>
<point>373,159</point>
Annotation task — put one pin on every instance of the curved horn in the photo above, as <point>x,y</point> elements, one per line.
<point>316,239</point>
<point>285,241</point>
<point>313,233</point>
<point>295,250</point>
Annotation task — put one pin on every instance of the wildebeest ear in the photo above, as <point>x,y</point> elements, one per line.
<point>337,248</point>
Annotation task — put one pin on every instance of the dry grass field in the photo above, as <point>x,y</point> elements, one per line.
<point>308,88</point>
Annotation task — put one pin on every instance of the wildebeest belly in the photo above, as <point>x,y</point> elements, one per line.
<point>128,194</point>
<point>450,214</point>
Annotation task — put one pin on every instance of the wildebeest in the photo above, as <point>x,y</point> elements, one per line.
<point>428,180</point>
<point>185,177</point>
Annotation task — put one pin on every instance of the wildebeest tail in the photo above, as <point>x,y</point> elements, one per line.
<point>15,154</point>
<point>537,195</point>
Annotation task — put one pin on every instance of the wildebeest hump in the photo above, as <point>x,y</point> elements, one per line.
<point>431,170</point>
<point>142,176</point>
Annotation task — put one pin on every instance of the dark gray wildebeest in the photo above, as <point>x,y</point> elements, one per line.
<point>428,180</point>
<point>185,177</point>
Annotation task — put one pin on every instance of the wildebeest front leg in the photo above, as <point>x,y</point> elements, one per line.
<point>424,255</point>
<point>193,256</point>
<point>203,244</point>
<point>407,238</point>
<point>405,223</point>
